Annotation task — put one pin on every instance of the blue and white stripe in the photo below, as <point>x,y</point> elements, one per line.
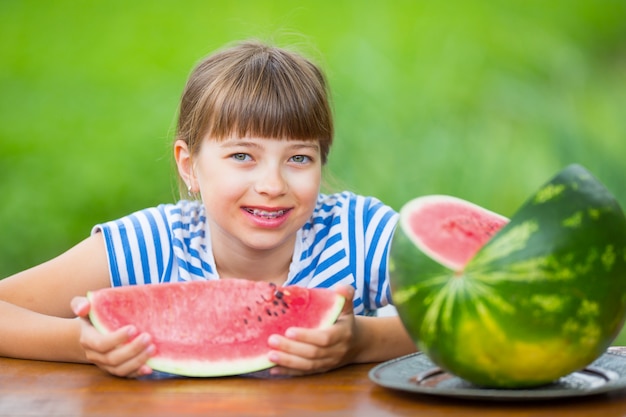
<point>346,242</point>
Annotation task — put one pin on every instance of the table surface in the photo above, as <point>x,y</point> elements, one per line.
<point>33,388</point>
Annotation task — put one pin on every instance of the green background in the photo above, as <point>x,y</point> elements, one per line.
<point>484,100</point>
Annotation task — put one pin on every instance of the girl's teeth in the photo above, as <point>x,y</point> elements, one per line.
<point>267,214</point>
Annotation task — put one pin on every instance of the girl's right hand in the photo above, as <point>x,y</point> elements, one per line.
<point>122,353</point>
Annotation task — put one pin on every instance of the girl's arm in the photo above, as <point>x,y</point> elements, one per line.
<point>30,335</point>
<point>381,338</point>
<point>36,319</point>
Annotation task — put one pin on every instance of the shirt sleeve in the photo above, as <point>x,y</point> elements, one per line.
<point>138,247</point>
<point>379,222</point>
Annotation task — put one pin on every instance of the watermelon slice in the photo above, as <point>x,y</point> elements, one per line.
<point>449,229</point>
<point>212,328</point>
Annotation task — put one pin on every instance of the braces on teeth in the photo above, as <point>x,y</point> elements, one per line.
<point>267,214</point>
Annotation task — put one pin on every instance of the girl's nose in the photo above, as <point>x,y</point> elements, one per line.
<point>270,181</point>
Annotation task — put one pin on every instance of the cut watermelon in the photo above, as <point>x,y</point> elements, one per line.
<point>212,328</point>
<point>513,303</point>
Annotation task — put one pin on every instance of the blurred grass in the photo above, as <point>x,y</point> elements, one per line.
<point>484,100</point>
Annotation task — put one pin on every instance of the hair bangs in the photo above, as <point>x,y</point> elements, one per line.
<point>271,102</point>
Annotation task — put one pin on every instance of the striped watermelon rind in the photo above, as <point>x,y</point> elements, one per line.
<point>542,298</point>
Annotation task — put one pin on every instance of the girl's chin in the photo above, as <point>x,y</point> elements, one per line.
<point>264,241</point>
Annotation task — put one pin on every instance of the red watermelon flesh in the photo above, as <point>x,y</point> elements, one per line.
<point>216,327</point>
<point>450,230</point>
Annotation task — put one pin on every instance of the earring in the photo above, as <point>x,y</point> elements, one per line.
<point>189,193</point>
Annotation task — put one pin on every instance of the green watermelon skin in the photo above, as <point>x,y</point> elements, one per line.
<point>216,327</point>
<point>543,298</point>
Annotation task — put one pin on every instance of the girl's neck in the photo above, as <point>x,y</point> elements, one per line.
<point>270,266</point>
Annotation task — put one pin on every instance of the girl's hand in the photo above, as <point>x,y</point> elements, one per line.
<point>121,353</point>
<point>307,351</point>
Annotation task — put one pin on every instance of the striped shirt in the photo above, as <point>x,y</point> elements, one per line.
<point>346,241</point>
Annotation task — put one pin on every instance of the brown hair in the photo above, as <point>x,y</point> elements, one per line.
<point>254,89</point>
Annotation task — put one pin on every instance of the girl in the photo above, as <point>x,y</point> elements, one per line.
<point>254,130</point>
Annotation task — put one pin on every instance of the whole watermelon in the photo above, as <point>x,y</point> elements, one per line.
<point>535,298</point>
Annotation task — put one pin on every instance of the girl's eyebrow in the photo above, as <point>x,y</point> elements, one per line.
<point>235,143</point>
<point>306,145</point>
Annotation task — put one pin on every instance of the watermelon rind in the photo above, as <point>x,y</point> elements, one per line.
<point>219,358</point>
<point>543,298</point>
<point>199,368</point>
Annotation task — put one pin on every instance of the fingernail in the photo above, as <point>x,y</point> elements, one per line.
<point>80,307</point>
<point>273,341</point>
<point>273,357</point>
<point>131,331</point>
<point>150,350</point>
<point>291,333</point>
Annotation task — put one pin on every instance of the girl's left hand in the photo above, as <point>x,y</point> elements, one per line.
<point>307,351</point>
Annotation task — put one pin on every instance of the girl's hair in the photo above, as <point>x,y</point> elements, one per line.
<point>254,89</point>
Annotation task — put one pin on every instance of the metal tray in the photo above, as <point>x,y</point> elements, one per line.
<point>416,373</point>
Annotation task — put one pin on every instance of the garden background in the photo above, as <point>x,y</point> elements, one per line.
<point>484,100</point>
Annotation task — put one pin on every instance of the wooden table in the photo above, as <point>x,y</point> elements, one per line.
<point>31,388</point>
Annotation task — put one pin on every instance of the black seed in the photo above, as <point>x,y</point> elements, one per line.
<point>259,318</point>
<point>282,310</point>
<point>272,285</point>
<point>275,302</point>
<point>245,321</point>
<point>248,307</point>
<point>285,305</point>
<point>278,294</point>
<point>275,314</point>
<point>267,310</point>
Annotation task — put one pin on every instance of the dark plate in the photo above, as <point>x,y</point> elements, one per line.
<point>417,374</point>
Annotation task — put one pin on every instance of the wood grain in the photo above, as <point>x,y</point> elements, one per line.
<point>32,388</point>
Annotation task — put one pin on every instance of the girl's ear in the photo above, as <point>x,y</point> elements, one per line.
<point>185,165</point>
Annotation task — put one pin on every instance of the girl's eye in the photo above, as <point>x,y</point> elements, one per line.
<point>300,159</point>
<point>241,156</point>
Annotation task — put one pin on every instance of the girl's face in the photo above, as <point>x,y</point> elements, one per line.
<point>257,192</point>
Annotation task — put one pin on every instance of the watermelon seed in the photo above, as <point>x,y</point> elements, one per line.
<point>259,318</point>
<point>267,310</point>
<point>245,321</point>
<point>278,295</point>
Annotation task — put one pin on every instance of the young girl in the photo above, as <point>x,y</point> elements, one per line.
<point>254,131</point>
